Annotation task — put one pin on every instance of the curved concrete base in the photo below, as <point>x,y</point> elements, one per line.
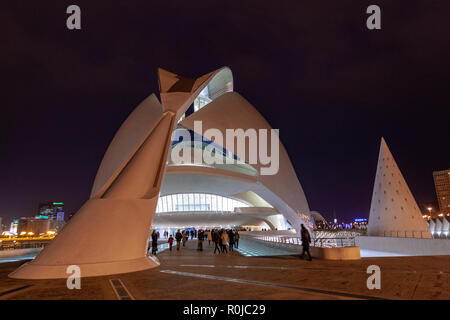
<point>32,270</point>
<point>343,253</point>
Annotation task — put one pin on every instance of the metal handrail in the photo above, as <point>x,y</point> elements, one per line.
<point>13,245</point>
<point>315,242</point>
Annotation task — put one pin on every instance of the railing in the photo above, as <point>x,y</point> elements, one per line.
<point>407,234</point>
<point>12,245</point>
<point>333,242</point>
<point>316,242</point>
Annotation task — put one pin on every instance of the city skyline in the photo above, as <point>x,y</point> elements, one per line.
<point>80,87</point>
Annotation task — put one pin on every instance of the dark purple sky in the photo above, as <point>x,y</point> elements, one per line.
<point>312,68</point>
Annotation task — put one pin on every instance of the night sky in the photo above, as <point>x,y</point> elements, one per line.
<point>312,68</point>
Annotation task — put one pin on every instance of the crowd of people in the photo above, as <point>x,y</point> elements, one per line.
<point>224,240</point>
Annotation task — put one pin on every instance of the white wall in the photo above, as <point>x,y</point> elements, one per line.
<point>405,246</point>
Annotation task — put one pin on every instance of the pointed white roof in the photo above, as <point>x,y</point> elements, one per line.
<point>438,227</point>
<point>445,225</point>
<point>394,211</point>
<point>431,226</point>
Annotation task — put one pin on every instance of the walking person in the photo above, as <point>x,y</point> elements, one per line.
<point>216,240</point>
<point>200,240</point>
<point>170,242</point>
<point>154,242</point>
<point>185,238</point>
<point>225,240</point>
<point>306,240</point>
<point>236,239</point>
<point>220,239</point>
<point>231,240</point>
<point>209,233</point>
<point>178,237</point>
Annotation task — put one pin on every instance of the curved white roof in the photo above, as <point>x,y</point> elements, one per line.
<point>127,186</point>
<point>130,136</point>
<point>282,190</point>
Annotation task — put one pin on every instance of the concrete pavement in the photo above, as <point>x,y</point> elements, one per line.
<point>190,274</point>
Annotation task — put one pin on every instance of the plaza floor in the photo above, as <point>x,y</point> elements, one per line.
<point>190,274</point>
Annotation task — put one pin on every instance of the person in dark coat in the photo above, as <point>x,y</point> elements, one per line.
<point>231,239</point>
<point>236,239</point>
<point>200,240</point>
<point>306,240</point>
<point>216,240</point>
<point>225,239</point>
<point>154,242</point>
<point>185,237</point>
<point>178,237</point>
<point>170,241</point>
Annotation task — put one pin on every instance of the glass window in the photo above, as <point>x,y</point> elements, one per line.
<point>208,201</point>
<point>213,202</point>
<point>219,203</point>
<point>179,202</point>
<point>203,202</point>
<point>197,202</point>
<point>158,205</point>
<point>191,202</point>
<point>230,204</point>
<point>169,203</point>
<point>185,202</point>
<point>174,202</point>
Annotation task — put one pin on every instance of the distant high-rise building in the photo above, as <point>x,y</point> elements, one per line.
<point>14,224</point>
<point>33,226</point>
<point>52,210</point>
<point>442,185</point>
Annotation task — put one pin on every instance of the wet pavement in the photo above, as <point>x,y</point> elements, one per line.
<point>191,274</point>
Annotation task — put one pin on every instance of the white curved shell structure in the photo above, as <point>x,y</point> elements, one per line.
<point>110,233</point>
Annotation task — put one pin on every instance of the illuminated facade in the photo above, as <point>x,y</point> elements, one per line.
<point>33,226</point>
<point>139,185</point>
<point>197,202</point>
<point>14,225</point>
<point>442,186</point>
<point>52,210</point>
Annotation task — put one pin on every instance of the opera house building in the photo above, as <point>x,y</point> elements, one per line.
<point>142,184</point>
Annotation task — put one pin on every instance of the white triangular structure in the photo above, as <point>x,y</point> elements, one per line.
<point>438,228</point>
<point>445,226</point>
<point>394,211</point>
<point>431,226</point>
